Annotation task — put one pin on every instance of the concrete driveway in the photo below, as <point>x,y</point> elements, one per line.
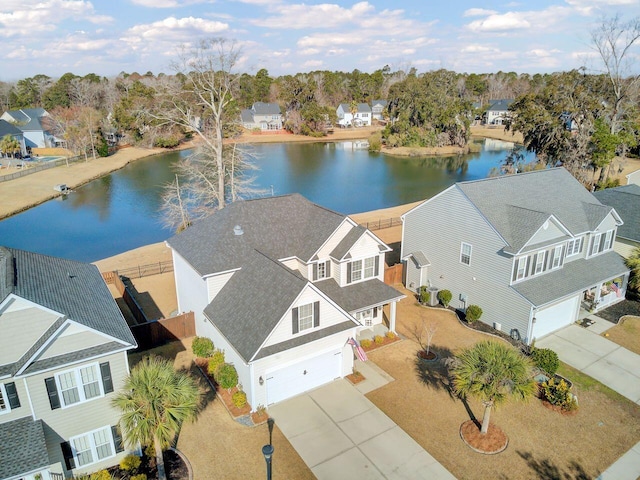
<point>609,363</point>
<point>340,434</point>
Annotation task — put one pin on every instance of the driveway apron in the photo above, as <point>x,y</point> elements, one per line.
<point>340,434</point>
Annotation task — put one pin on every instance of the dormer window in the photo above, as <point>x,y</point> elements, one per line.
<point>556,261</point>
<point>362,269</point>
<point>601,242</point>
<point>321,270</point>
<point>574,246</point>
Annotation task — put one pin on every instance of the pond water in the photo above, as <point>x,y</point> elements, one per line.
<point>119,212</point>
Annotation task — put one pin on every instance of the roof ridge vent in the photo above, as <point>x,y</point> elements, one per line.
<point>237,230</point>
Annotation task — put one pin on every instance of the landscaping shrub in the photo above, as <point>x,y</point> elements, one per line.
<point>130,463</point>
<point>365,343</point>
<point>168,142</point>
<point>378,339</point>
<point>239,399</point>
<point>375,142</point>
<point>424,294</point>
<point>227,376</point>
<point>390,335</point>
<point>546,360</point>
<point>444,297</point>
<point>202,347</point>
<point>217,359</point>
<point>140,476</point>
<point>558,394</point>
<point>474,312</point>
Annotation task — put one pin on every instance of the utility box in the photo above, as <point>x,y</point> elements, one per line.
<point>433,296</point>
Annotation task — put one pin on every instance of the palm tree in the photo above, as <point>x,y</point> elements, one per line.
<point>9,145</point>
<point>493,372</point>
<point>155,400</point>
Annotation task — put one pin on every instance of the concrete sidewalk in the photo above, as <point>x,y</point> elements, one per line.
<point>340,434</point>
<point>610,364</point>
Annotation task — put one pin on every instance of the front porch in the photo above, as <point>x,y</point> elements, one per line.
<point>603,295</point>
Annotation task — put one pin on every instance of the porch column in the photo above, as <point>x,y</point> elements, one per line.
<point>392,317</point>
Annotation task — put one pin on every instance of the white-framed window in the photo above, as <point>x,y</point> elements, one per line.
<point>369,267</point>
<point>574,246</point>
<point>79,385</point>
<point>465,253</point>
<point>522,268</point>
<point>540,263</point>
<point>362,269</point>
<point>608,240</point>
<point>322,270</point>
<point>601,242</point>
<point>4,400</point>
<point>365,317</point>
<point>305,316</point>
<point>92,447</point>
<point>556,261</point>
<point>595,244</point>
<point>356,270</point>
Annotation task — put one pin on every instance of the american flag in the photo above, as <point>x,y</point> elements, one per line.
<point>616,289</point>
<point>361,354</point>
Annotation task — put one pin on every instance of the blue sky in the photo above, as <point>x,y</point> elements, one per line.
<point>107,37</point>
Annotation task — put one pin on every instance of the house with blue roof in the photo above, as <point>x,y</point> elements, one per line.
<point>281,285</point>
<point>533,250</point>
<point>63,354</point>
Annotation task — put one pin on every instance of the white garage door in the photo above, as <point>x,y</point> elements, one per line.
<point>555,317</point>
<point>302,376</point>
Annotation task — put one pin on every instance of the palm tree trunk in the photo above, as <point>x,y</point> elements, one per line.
<point>162,475</point>
<point>485,418</point>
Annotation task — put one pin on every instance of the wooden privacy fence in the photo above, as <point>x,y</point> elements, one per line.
<point>383,223</point>
<point>159,332</point>
<point>393,275</point>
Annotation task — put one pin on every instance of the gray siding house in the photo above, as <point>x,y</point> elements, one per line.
<point>281,285</point>
<point>531,250</point>
<point>377,109</point>
<point>29,122</point>
<point>63,352</point>
<point>7,128</point>
<point>626,201</point>
<point>265,116</point>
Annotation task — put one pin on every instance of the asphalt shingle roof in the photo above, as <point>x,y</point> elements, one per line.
<point>517,205</point>
<point>347,242</point>
<point>573,277</point>
<point>626,201</point>
<point>500,105</point>
<point>71,288</point>
<point>359,295</point>
<point>28,119</point>
<point>262,108</point>
<point>23,448</point>
<point>7,129</point>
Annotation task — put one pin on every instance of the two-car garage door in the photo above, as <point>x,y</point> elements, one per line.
<point>553,318</point>
<point>302,376</point>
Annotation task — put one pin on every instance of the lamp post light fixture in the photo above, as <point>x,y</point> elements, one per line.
<point>267,451</point>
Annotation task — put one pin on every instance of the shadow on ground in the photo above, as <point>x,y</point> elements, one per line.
<point>544,468</point>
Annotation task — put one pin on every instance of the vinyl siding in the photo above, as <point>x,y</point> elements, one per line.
<point>295,264</point>
<point>74,338</point>
<point>334,239</point>
<point>217,283</point>
<point>634,177</point>
<point>16,339</point>
<point>625,247</point>
<point>329,315</point>
<point>607,224</point>
<point>343,278</point>
<point>552,232</point>
<point>485,282</point>
<point>289,357</point>
<point>191,290</point>
<point>364,247</point>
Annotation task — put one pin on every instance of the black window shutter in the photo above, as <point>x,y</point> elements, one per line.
<point>12,395</point>
<point>376,262</point>
<point>515,269</point>
<point>117,438</point>
<point>328,269</point>
<point>349,272</point>
<point>52,390</point>
<point>294,320</point>
<point>316,314</point>
<point>375,312</point>
<point>107,381</point>
<point>68,455</point>
<point>315,272</point>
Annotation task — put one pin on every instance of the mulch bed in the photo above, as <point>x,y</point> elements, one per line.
<point>174,465</point>
<point>386,341</point>
<point>356,378</point>
<point>614,312</point>
<point>556,408</point>
<point>492,442</point>
<point>226,395</point>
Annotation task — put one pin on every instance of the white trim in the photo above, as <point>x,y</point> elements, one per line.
<point>210,275</point>
<point>557,222</point>
<point>462,245</point>
<point>94,450</point>
<point>26,387</point>
<point>5,399</point>
<point>13,296</point>
<point>76,362</point>
<point>79,386</point>
<point>345,219</point>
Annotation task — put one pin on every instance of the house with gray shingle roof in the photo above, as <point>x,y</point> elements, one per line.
<point>534,250</point>
<point>63,354</point>
<point>498,112</point>
<point>30,122</point>
<point>626,201</point>
<point>265,116</point>
<point>7,128</point>
<point>360,116</point>
<point>281,284</point>
<point>377,109</point>
<point>633,178</point>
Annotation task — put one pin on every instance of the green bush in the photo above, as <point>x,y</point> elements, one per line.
<point>546,360</point>
<point>239,399</point>
<point>378,339</point>
<point>390,335</point>
<point>365,343</point>
<point>130,463</point>
<point>216,359</point>
<point>227,376</point>
<point>424,295</point>
<point>168,142</point>
<point>474,312</point>
<point>375,142</point>
<point>558,394</point>
<point>444,297</point>
<point>202,347</point>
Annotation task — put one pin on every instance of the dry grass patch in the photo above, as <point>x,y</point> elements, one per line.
<point>542,443</point>
<point>219,447</point>
<point>626,333</point>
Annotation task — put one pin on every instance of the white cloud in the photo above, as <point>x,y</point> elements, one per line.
<point>312,64</point>
<point>309,51</point>
<point>500,23</point>
<point>325,15</point>
<point>478,12</point>
<point>173,29</point>
<point>167,3</point>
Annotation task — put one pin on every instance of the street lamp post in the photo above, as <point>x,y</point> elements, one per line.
<point>267,451</point>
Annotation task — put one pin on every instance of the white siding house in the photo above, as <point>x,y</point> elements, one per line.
<point>357,116</point>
